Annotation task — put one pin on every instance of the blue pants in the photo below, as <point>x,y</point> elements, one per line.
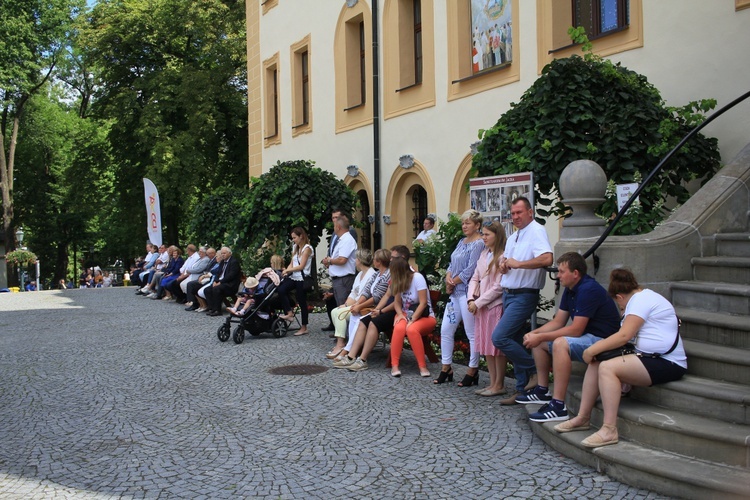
<point>508,334</point>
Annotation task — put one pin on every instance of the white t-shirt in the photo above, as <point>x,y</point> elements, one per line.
<point>297,275</point>
<point>362,278</point>
<point>526,244</point>
<point>411,296</point>
<point>345,247</point>
<point>659,328</point>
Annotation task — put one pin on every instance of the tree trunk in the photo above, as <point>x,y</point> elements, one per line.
<point>6,184</point>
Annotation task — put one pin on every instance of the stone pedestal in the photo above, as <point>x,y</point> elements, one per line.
<point>582,187</point>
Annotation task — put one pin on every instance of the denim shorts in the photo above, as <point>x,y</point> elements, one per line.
<point>576,345</point>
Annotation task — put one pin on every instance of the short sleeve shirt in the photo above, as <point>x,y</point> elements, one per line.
<point>526,244</point>
<point>411,296</point>
<point>590,300</point>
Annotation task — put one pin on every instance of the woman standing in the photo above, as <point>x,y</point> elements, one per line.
<point>414,315</point>
<point>486,304</point>
<point>463,262</point>
<point>301,263</point>
<point>659,356</point>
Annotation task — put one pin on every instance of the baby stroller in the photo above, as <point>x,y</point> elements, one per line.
<point>262,316</point>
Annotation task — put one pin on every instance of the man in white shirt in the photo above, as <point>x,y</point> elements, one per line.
<point>340,262</point>
<point>428,229</point>
<point>527,253</point>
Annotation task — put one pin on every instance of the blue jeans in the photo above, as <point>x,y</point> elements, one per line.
<point>508,334</point>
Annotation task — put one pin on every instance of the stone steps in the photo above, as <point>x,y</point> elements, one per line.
<point>722,269</point>
<point>733,244</point>
<point>714,327</point>
<point>654,469</point>
<point>674,431</point>
<point>701,396</point>
<point>729,298</point>
<point>718,362</point>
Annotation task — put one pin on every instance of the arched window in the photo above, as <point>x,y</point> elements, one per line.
<point>362,215</point>
<point>419,208</point>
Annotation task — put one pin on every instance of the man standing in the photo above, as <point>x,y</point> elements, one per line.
<point>428,229</point>
<point>340,261</point>
<point>594,316</point>
<point>527,253</point>
<point>226,284</point>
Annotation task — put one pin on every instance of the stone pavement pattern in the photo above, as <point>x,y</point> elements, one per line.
<point>104,394</point>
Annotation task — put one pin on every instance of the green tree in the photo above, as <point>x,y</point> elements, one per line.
<point>63,181</point>
<point>173,81</point>
<point>292,193</point>
<point>33,34</point>
<point>590,108</point>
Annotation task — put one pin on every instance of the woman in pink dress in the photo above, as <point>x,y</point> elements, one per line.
<point>486,303</point>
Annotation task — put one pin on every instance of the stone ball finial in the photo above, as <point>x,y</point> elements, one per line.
<point>583,179</point>
<point>583,184</point>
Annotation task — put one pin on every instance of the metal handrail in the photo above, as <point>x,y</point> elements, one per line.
<point>655,171</point>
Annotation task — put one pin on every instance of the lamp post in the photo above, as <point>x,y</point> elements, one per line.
<point>19,238</point>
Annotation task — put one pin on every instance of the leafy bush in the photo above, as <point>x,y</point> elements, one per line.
<point>292,193</point>
<point>590,108</point>
<point>215,218</point>
<point>433,256</point>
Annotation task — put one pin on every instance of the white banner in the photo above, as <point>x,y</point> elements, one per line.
<point>153,212</point>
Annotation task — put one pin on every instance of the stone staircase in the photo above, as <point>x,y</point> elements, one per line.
<point>689,438</point>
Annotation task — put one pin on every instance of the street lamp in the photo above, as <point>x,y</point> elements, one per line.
<point>19,238</point>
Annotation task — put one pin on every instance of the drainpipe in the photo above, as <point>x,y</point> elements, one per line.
<point>377,236</point>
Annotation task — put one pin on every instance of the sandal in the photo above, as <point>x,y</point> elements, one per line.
<point>595,440</point>
<point>567,426</point>
<point>444,376</point>
<point>333,353</point>
<point>301,332</point>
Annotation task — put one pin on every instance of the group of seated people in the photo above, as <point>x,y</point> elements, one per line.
<point>92,277</point>
<point>201,280</point>
<point>388,296</point>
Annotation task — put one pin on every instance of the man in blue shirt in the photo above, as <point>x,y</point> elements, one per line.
<point>594,316</point>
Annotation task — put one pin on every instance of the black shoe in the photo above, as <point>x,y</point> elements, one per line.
<point>443,377</point>
<point>469,380</point>
<point>329,328</point>
<point>213,313</point>
<point>180,301</point>
<point>191,308</point>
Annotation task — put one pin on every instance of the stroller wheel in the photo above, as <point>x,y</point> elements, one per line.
<point>223,332</point>
<point>239,334</point>
<point>279,328</point>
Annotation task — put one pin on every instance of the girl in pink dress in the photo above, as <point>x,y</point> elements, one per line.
<point>486,304</point>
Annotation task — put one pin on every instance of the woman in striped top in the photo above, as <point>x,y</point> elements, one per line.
<point>463,262</point>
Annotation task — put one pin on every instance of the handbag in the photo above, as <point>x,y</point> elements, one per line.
<point>623,350</point>
<point>308,282</point>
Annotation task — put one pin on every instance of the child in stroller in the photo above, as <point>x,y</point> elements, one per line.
<point>245,298</point>
<point>260,315</point>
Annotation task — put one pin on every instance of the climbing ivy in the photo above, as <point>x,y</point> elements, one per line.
<point>591,108</point>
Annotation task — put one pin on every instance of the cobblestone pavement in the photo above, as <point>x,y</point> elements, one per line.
<point>105,394</point>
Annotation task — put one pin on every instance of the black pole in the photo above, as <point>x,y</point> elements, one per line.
<point>377,237</point>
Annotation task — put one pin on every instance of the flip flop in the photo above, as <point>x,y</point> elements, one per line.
<point>298,334</point>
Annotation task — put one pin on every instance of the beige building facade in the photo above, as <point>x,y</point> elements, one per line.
<point>311,93</point>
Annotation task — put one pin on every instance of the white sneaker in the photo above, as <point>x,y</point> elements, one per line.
<point>344,362</point>
<point>358,365</point>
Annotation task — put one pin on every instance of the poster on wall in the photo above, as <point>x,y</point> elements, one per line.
<point>492,33</point>
<point>493,196</point>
